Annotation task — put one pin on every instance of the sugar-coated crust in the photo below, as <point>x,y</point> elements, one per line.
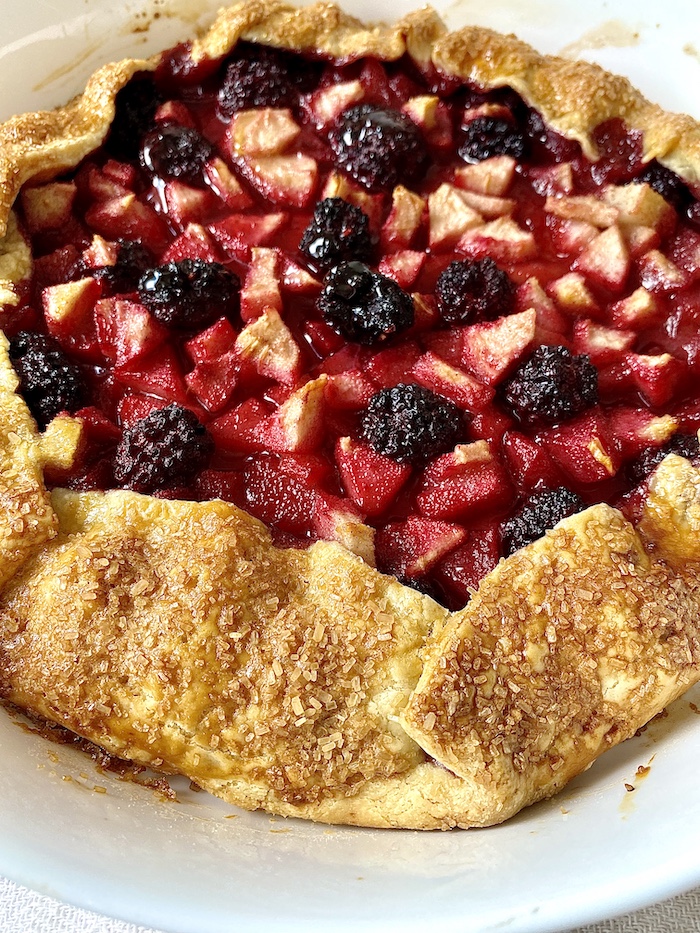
<point>565,647</point>
<point>304,682</point>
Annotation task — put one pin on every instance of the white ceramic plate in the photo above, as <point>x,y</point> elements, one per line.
<point>196,866</point>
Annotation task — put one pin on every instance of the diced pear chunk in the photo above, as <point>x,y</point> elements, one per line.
<point>268,343</point>
<point>606,260</point>
<point>573,295</point>
<point>502,239</point>
<point>48,207</point>
<point>261,288</point>
<point>450,216</point>
<point>404,218</point>
<point>491,177</point>
<point>265,131</point>
<point>327,104</point>
<point>638,203</point>
<point>585,207</point>
<point>659,274</point>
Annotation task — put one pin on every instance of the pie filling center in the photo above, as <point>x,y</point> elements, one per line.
<point>364,304</point>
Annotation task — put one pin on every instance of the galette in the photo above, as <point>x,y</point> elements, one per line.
<point>350,396</point>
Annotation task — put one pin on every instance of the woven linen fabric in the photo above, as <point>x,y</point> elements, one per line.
<point>25,911</point>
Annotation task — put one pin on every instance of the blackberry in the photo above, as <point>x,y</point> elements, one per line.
<point>485,137</point>
<point>189,294</point>
<point>264,77</point>
<point>411,424</point>
<point>338,232</point>
<point>540,135</point>
<point>551,385</point>
<point>379,147</point>
<point>685,445</point>
<point>133,259</point>
<point>48,381</point>
<point>473,291</point>
<point>166,448</point>
<point>172,151</point>
<point>666,183</point>
<point>692,214</point>
<point>422,584</point>
<point>362,305</point>
<point>540,512</point>
<point>135,110</point>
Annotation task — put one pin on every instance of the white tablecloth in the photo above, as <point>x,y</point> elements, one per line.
<point>24,911</point>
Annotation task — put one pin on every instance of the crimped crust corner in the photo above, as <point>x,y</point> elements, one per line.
<point>42,144</point>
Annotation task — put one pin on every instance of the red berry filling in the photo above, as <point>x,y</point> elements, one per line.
<point>364,304</point>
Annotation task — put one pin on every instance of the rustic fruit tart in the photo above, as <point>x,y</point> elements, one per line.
<point>428,296</point>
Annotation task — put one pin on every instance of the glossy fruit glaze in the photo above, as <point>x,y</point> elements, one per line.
<point>600,266</point>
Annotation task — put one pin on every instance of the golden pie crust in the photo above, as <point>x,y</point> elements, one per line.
<point>304,682</point>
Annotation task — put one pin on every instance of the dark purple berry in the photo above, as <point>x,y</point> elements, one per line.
<point>261,76</point>
<point>411,424</point>
<point>48,381</point>
<point>166,448</point>
<point>172,151</point>
<point>692,214</point>
<point>685,445</point>
<point>470,291</point>
<point>362,305</point>
<point>135,110</point>
<point>666,183</point>
<point>338,232</point>
<point>421,584</point>
<point>133,259</point>
<point>485,137</point>
<point>540,512</point>
<point>551,385</point>
<point>540,134</point>
<point>379,147</point>
<point>190,294</point>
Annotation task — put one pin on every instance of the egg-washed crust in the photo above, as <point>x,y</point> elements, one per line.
<point>304,682</point>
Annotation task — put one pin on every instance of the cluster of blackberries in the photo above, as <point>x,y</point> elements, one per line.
<point>379,147</point>
<point>473,290</point>
<point>173,151</point>
<point>338,232</point>
<point>259,76</point>
<point>485,137</point>
<point>364,306</point>
<point>48,381</point>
